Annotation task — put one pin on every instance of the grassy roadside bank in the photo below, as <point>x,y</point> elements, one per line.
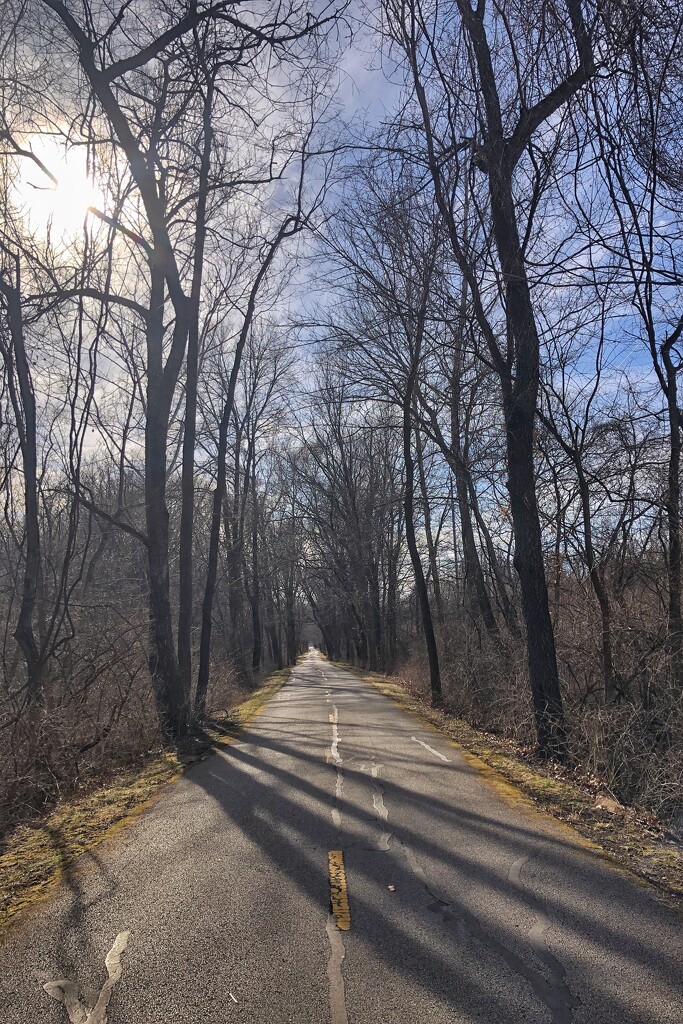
<point>629,839</point>
<point>34,856</point>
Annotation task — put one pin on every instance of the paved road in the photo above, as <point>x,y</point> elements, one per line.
<point>461,908</point>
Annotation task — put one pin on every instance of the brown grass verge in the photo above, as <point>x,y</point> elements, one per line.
<point>34,856</point>
<point>629,839</point>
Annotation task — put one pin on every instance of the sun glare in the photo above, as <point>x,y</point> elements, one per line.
<point>55,209</point>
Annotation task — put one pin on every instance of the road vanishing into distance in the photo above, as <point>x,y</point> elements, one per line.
<point>341,863</point>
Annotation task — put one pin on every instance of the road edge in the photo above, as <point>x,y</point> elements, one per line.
<point>623,843</point>
<point>35,856</point>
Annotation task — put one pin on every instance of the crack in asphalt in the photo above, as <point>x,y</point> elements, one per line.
<point>334,972</point>
<point>553,992</point>
<point>381,812</point>
<point>536,934</point>
<point>66,992</point>
<point>339,764</point>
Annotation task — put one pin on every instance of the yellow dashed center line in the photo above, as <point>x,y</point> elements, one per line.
<point>339,897</point>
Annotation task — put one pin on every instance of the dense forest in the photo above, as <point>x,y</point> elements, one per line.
<point>280,366</point>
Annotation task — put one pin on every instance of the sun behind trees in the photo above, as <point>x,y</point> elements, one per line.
<point>407,388</point>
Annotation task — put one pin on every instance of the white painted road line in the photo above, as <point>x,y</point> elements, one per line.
<point>431,749</point>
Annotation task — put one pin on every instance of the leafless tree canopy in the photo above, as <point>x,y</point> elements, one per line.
<point>404,387</point>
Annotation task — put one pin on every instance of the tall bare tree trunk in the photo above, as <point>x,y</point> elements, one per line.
<point>257,638</point>
<point>290,622</point>
<point>518,366</point>
<point>24,408</point>
<point>528,562</point>
<point>598,586</point>
<point>475,582</point>
<point>163,663</point>
<point>211,572</point>
<point>673,508</point>
<point>377,656</point>
<point>498,158</point>
<point>185,563</point>
<point>273,632</point>
<point>421,590</point>
<point>429,533</point>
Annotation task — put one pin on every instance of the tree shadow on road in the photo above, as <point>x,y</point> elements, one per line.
<point>279,793</point>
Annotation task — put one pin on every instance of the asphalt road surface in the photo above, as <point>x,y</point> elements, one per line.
<point>340,863</point>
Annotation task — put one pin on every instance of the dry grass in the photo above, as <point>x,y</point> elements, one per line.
<point>631,840</point>
<point>34,857</point>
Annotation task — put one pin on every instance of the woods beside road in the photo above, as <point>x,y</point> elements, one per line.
<point>355,324</point>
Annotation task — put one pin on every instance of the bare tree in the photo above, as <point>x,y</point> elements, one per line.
<point>482,119</point>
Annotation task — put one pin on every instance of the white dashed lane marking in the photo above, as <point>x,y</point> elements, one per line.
<point>431,749</point>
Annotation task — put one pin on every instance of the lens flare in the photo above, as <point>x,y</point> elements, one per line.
<point>55,208</point>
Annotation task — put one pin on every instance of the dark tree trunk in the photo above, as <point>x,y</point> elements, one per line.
<point>429,534</point>
<point>418,572</point>
<point>163,664</point>
<point>290,626</point>
<point>377,653</point>
<point>476,593</point>
<point>520,390</point>
<point>211,573</point>
<point>528,562</point>
<point>24,408</point>
<point>273,634</point>
<point>185,564</point>
<point>474,581</point>
<point>370,658</point>
<point>673,513</point>
<point>257,641</point>
<point>360,637</point>
<point>598,585</point>
<point>332,650</point>
<point>502,597</point>
<point>518,366</point>
<point>392,617</point>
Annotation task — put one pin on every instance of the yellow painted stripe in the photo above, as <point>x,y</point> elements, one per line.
<point>339,896</point>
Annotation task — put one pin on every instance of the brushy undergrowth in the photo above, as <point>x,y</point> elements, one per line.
<point>34,856</point>
<point>633,839</point>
